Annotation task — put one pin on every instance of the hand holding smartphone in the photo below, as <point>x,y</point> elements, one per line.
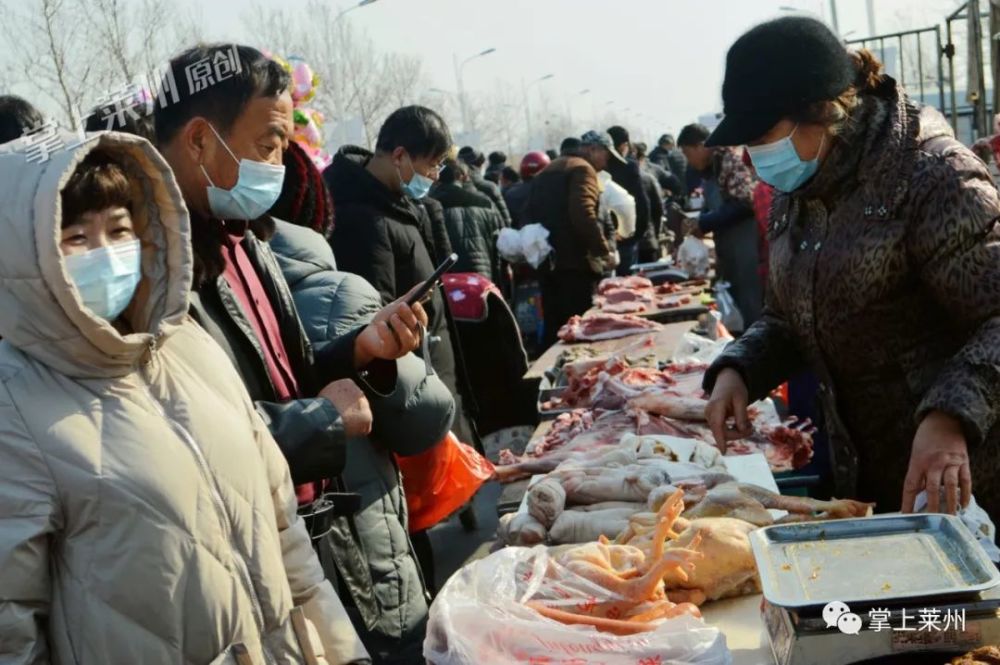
<point>425,289</point>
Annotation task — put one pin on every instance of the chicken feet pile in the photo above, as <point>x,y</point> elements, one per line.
<point>634,577</point>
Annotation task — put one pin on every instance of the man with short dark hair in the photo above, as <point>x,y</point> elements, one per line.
<point>627,174</point>
<point>570,147</point>
<point>225,144</point>
<point>728,214</point>
<point>383,234</point>
<point>508,178</point>
<point>669,157</point>
<point>472,221</point>
<point>212,139</point>
<point>17,117</point>
<point>495,164</point>
<point>474,160</point>
<point>565,199</point>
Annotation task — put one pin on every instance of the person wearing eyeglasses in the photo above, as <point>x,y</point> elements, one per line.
<point>383,233</point>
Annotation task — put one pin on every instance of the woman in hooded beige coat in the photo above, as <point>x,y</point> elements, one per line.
<point>146,515</point>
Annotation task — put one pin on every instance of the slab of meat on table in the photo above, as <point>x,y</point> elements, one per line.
<point>633,282</point>
<point>607,385</point>
<point>628,307</point>
<point>717,496</point>
<point>612,296</point>
<point>604,326</point>
<point>673,302</point>
<point>581,433</point>
<point>676,287</point>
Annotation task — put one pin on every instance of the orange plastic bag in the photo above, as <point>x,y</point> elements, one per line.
<point>441,480</point>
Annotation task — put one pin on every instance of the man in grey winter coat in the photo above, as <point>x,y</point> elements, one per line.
<point>369,553</point>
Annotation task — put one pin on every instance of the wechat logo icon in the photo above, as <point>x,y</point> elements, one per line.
<point>839,614</point>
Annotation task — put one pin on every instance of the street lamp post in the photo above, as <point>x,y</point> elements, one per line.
<point>338,96</point>
<point>569,104</point>
<point>344,12</point>
<point>527,106</point>
<point>459,67</point>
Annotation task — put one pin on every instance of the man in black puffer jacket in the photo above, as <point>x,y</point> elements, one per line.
<point>475,160</point>
<point>472,221</point>
<point>383,234</point>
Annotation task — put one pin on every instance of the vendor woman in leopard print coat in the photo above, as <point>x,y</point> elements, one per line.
<point>884,272</point>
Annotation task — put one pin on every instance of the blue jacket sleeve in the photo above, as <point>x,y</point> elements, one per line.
<point>725,216</point>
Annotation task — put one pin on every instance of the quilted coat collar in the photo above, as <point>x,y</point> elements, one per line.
<point>41,313</point>
<point>876,152</point>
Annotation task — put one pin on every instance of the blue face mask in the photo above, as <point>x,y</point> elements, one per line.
<point>779,165</point>
<point>257,187</point>
<point>419,185</point>
<point>107,277</point>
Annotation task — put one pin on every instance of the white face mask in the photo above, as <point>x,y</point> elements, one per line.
<point>107,277</point>
<point>257,187</point>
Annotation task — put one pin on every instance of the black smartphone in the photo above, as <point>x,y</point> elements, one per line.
<point>426,287</point>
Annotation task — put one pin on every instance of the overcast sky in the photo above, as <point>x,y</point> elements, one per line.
<point>663,59</point>
<point>651,65</point>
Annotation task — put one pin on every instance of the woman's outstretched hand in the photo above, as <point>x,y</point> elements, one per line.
<point>726,411</point>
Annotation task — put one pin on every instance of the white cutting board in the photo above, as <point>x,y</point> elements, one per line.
<point>751,469</point>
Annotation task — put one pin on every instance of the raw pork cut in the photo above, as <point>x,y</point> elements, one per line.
<point>604,326</point>
<point>673,302</point>
<point>630,307</point>
<point>632,282</point>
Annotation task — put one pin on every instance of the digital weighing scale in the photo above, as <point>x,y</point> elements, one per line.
<point>802,638</point>
<point>899,564</point>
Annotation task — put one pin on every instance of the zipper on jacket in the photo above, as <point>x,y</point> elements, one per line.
<point>226,523</point>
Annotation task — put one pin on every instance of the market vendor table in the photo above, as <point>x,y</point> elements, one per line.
<point>740,621</point>
<point>666,342</point>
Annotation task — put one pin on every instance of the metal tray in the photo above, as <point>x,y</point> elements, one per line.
<point>886,559</point>
<point>546,394</point>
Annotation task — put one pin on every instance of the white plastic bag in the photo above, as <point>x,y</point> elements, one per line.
<point>535,244</point>
<point>509,245</point>
<point>697,349</point>
<point>616,198</point>
<point>975,519</point>
<point>693,257</point>
<point>731,316</point>
<point>480,618</point>
<point>530,244</point>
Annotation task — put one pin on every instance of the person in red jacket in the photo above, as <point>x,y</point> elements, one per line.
<point>763,195</point>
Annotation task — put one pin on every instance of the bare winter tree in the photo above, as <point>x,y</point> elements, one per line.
<point>75,52</point>
<point>137,37</point>
<point>498,116</point>
<point>54,55</point>
<point>358,82</point>
<point>406,78</point>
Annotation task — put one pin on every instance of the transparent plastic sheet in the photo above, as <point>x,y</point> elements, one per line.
<point>975,519</point>
<point>697,349</point>
<point>693,257</point>
<point>481,618</point>
<point>731,316</point>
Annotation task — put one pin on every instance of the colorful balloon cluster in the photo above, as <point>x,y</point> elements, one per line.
<point>308,122</point>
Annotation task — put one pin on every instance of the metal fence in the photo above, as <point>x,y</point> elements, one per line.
<point>926,65</point>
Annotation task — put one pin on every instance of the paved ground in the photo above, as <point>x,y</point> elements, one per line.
<point>453,545</point>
